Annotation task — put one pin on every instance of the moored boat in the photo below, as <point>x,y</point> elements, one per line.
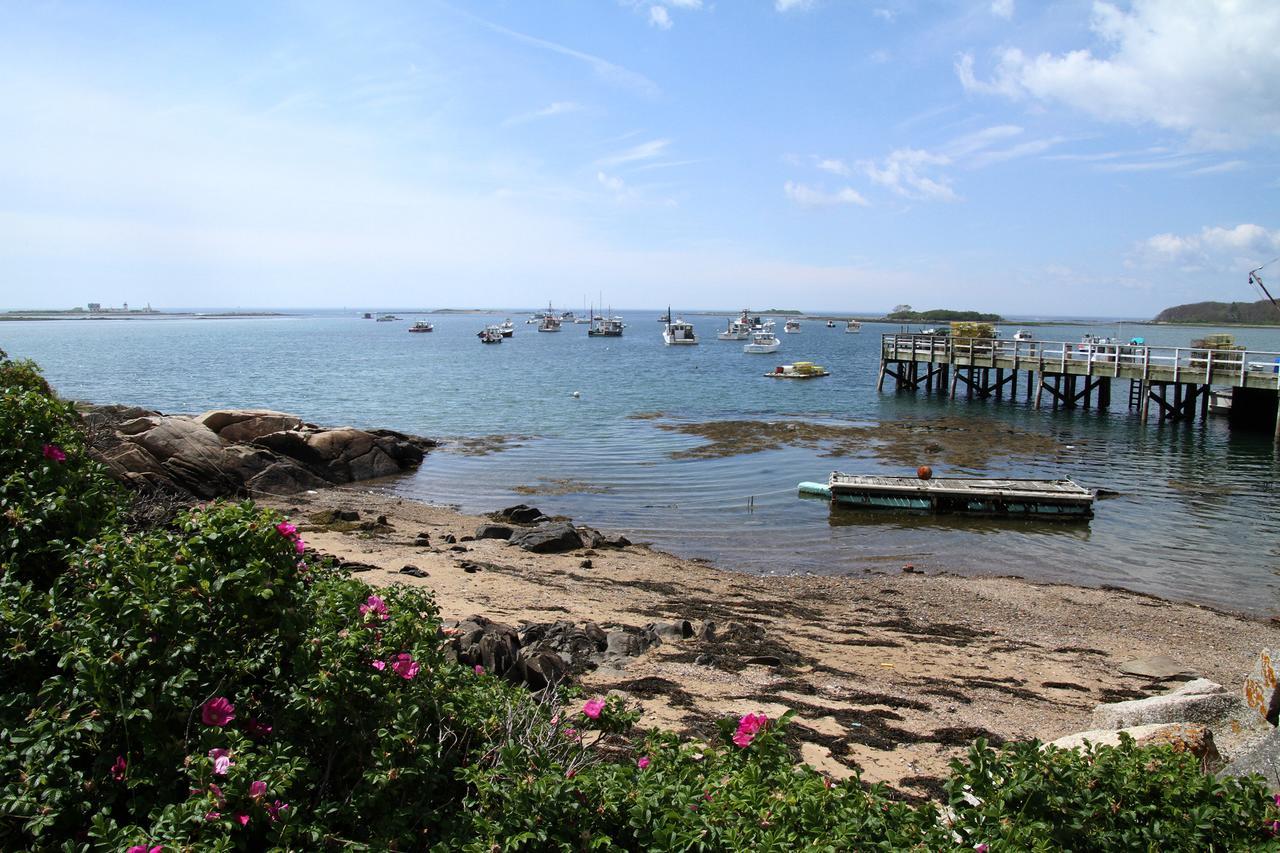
<point>852,327</point>
<point>550,322</point>
<point>831,324</point>
<point>422,326</point>
<point>799,370</point>
<point>678,333</point>
<point>791,327</point>
<point>490,335</point>
<point>605,327</point>
<point>387,318</point>
<point>1060,499</point>
<point>1023,335</point>
<point>763,341</point>
<point>507,328</point>
<point>737,330</point>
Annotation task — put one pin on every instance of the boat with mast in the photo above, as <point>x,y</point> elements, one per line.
<point>550,322</point>
<point>678,332</point>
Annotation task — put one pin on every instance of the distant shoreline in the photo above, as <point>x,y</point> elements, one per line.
<point>21,316</point>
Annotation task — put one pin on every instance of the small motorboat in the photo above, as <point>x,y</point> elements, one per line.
<point>792,327</point>
<point>368,315</point>
<point>1023,335</point>
<point>737,330</point>
<point>799,370</point>
<point>387,318</point>
<point>763,342</point>
<point>852,327</point>
<point>422,326</point>
<point>678,333</point>
<point>831,324</point>
<point>490,335</point>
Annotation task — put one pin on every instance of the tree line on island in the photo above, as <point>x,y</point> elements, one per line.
<point>1260,313</point>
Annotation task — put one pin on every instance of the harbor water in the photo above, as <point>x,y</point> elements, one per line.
<point>695,450</point>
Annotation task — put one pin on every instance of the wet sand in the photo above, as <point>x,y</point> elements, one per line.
<point>893,674</point>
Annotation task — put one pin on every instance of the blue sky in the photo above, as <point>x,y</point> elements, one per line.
<point>1027,158</point>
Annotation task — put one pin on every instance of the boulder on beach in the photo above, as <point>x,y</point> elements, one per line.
<point>552,538</point>
<point>1199,701</point>
<point>1182,737</point>
<point>229,452</point>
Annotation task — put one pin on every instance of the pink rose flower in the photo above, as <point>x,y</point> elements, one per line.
<point>643,763</point>
<point>379,665</point>
<point>287,530</point>
<point>218,712</point>
<point>980,848</point>
<point>593,707</point>
<point>212,816</point>
<point>117,769</point>
<point>299,545</point>
<point>479,670</point>
<point>257,789</point>
<point>748,726</point>
<point>221,761</point>
<point>217,795</point>
<point>274,810</point>
<point>142,848</point>
<point>404,666</point>
<point>55,453</point>
<point>257,728</point>
<point>375,606</point>
<point>243,818</point>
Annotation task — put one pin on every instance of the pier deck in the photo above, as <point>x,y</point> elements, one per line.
<point>1177,379</point>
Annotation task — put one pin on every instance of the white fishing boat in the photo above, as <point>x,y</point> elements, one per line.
<point>764,341</point>
<point>605,327</point>
<point>1023,335</point>
<point>737,330</point>
<point>507,328</point>
<point>387,318</point>
<point>422,326</point>
<point>852,327</point>
<point>792,327</point>
<point>550,322</point>
<point>490,335</point>
<point>831,324</point>
<point>678,333</point>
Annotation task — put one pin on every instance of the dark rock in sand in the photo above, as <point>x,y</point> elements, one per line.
<point>585,564</point>
<point>539,669</point>
<point>520,514</point>
<point>553,538</point>
<point>413,571</point>
<point>449,539</point>
<point>675,631</point>
<point>486,643</point>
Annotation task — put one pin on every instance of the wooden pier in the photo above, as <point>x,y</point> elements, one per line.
<point>1178,380</point>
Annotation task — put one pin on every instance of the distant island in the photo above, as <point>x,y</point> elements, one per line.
<point>1260,313</point>
<point>941,316</point>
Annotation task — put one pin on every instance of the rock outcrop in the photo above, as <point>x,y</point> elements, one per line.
<point>251,452</point>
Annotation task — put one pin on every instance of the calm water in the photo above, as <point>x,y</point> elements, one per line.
<point>1196,518</point>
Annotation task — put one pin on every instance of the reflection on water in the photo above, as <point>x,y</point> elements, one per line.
<point>975,525</point>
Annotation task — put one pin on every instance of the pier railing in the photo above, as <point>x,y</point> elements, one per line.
<point>1237,368</point>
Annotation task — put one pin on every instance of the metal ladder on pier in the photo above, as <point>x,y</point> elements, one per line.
<point>1136,389</point>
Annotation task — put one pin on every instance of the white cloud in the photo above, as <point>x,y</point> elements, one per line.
<point>1208,69</point>
<point>834,166</point>
<point>643,151</point>
<point>660,17</point>
<point>1238,247</point>
<point>790,5</point>
<point>807,196</point>
<point>905,171</point>
<point>554,109</point>
<point>1002,8</point>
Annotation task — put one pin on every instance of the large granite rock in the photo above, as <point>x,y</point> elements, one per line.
<point>1262,757</point>
<point>1260,687</point>
<point>1199,701</point>
<point>223,453</point>
<point>1181,737</point>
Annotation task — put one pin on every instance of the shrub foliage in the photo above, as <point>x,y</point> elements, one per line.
<point>212,685</point>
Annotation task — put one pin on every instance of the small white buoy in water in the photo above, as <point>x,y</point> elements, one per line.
<point>577,393</point>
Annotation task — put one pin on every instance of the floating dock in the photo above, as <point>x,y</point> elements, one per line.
<point>1178,380</point>
<point>1063,499</point>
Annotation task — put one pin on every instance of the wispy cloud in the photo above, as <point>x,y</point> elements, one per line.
<point>792,5</point>
<point>834,166</point>
<point>1002,8</point>
<point>603,68</point>
<point>660,17</point>
<point>906,171</point>
<point>554,109</point>
<point>1238,247</point>
<point>1219,168</point>
<point>636,153</point>
<point>807,196</point>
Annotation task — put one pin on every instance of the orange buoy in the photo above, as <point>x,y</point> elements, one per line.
<point>924,472</point>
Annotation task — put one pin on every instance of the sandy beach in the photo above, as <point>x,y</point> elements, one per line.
<point>893,673</point>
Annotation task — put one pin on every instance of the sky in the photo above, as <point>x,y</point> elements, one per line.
<point>1033,159</point>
